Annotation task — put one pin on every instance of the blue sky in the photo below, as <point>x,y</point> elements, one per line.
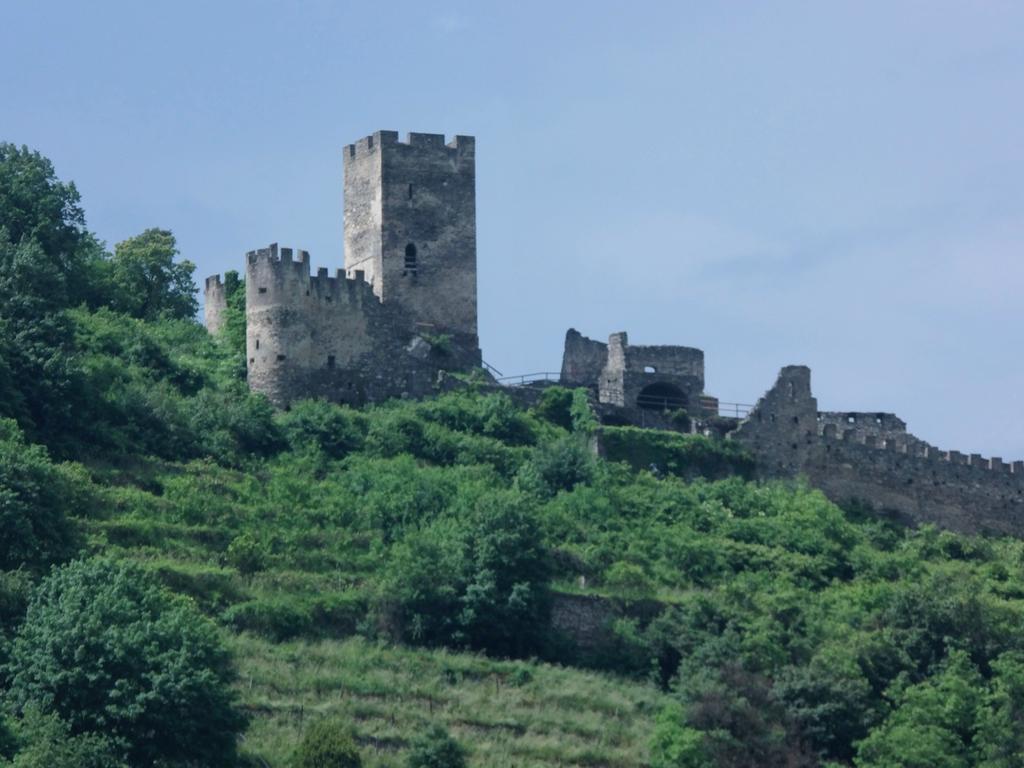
<point>834,184</point>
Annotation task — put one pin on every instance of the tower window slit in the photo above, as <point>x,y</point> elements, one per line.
<point>410,259</point>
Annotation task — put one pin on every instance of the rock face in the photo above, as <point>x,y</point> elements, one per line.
<point>402,310</point>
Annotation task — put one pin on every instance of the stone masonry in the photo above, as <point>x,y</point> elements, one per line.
<point>631,377</point>
<point>403,309</point>
<point>870,458</point>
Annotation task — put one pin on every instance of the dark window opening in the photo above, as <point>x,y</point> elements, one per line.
<point>257,343</point>
<point>252,360</point>
<point>280,358</point>
<point>330,361</point>
<point>263,290</point>
<point>410,191</point>
<point>661,397</point>
<point>307,293</point>
<point>410,259</point>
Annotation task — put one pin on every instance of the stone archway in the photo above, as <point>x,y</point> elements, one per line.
<point>661,397</point>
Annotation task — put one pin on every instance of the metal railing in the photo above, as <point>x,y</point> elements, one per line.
<point>528,378</point>
<point>735,410</point>
<point>491,370</point>
<point>660,403</point>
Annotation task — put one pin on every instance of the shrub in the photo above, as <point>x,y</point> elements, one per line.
<point>477,578</point>
<point>628,580</point>
<point>247,553</point>
<point>555,406</point>
<point>49,743</point>
<point>106,649</point>
<point>687,456</point>
<point>35,497</point>
<point>558,466</point>
<point>336,430</point>
<point>435,748</point>
<point>327,744</point>
<point>279,618</point>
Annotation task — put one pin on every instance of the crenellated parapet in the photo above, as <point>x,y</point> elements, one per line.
<point>872,459</point>
<point>375,142</point>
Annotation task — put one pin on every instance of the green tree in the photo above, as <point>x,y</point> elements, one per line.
<point>933,723</point>
<point>36,207</point>
<point>35,499</point>
<point>435,748</point>
<point>106,649</point>
<point>999,742</point>
<point>147,282</point>
<point>475,578</point>
<point>327,744</point>
<point>47,742</point>
<point>674,744</point>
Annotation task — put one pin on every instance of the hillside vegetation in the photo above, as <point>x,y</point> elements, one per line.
<point>182,565</point>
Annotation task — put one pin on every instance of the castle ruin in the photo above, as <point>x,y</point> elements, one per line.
<point>404,307</point>
<point>404,310</point>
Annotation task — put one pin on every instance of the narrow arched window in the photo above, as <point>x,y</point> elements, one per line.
<point>410,259</point>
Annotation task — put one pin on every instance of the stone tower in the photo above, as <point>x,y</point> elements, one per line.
<point>403,309</point>
<point>410,227</point>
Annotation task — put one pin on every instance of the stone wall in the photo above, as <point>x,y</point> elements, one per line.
<point>216,304</point>
<point>582,360</point>
<point>620,373</point>
<point>410,225</point>
<point>873,460</point>
<point>330,336</point>
<point>631,371</point>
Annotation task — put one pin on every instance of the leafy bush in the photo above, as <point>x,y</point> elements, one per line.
<point>35,499</point>
<point>109,651</point>
<point>477,578</point>
<point>554,406</point>
<point>435,748</point>
<point>48,742</point>
<point>558,466</point>
<point>335,430</point>
<point>277,618</point>
<point>327,744</point>
<point>248,553</point>
<point>687,456</point>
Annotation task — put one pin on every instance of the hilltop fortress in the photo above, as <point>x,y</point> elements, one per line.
<point>403,313</point>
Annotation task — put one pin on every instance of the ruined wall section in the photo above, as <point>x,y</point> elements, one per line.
<point>874,460</point>
<point>331,336</point>
<point>410,225</point>
<point>215,304</point>
<point>630,371</point>
<point>882,426</point>
<point>583,360</point>
<point>782,429</point>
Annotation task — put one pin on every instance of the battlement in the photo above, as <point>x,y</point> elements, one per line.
<point>913,448</point>
<point>283,275</point>
<point>370,145</point>
<point>283,255</point>
<point>871,458</point>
